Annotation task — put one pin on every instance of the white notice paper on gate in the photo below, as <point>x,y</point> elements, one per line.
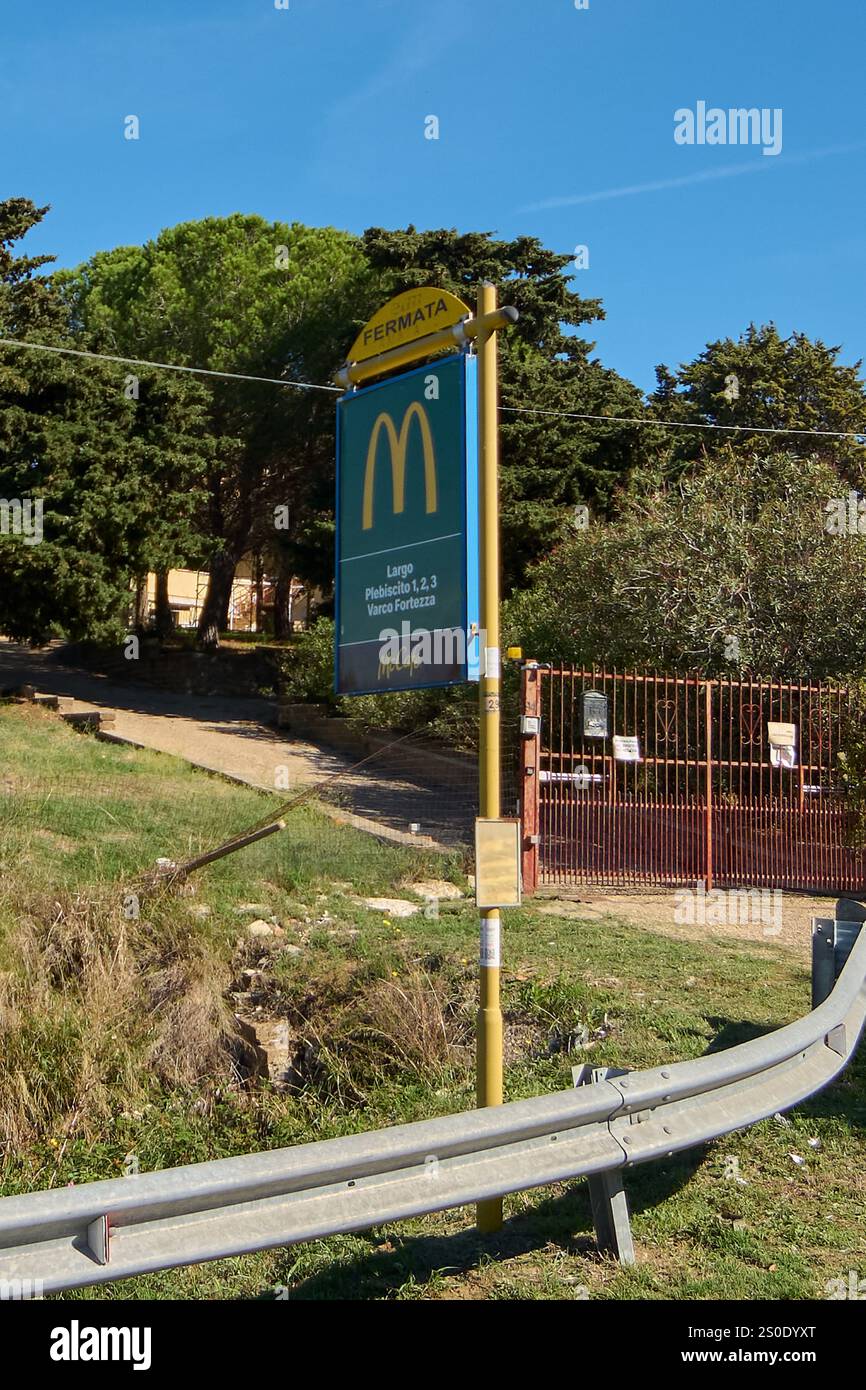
<point>783,757</point>
<point>626,748</point>
<point>783,744</point>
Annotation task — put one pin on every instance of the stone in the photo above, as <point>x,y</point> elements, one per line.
<point>436,888</point>
<point>272,1037</point>
<point>254,1060</point>
<point>390,907</point>
<point>260,928</point>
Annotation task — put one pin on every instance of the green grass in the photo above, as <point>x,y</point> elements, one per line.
<point>117,1039</point>
<point>75,811</point>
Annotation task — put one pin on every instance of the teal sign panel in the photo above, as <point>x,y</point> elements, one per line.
<point>407,531</point>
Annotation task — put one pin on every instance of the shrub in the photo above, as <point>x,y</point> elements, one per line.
<point>737,550</point>
<point>449,713</point>
<point>307,668</point>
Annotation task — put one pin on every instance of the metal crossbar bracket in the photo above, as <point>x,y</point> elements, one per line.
<point>98,1239</point>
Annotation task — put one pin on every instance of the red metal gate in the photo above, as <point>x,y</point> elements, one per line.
<point>663,780</point>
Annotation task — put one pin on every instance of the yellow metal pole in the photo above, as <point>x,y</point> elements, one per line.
<point>489,1033</point>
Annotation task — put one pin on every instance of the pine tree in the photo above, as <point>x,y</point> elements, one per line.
<point>113,474</point>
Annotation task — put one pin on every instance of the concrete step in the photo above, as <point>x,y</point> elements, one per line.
<point>91,719</point>
<point>32,696</point>
<point>65,707</point>
<point>62,703</point>
<point>82,718</point>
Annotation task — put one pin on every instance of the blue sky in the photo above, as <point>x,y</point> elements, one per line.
<point>554,121</point>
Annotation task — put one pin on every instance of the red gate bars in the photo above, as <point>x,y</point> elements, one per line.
<point>733,781</point>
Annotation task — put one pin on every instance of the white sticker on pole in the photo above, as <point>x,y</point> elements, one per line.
<point>492,664</point>
<point>490,942</point>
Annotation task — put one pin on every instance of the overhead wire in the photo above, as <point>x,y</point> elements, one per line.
<point>164,366</point>
<point>649,420</point>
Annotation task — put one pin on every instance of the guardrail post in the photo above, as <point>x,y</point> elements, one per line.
<point>607,1198</point>
<point>832,940</point>
<point>530,747</point>
<point>610,1215</point>
<point>823,963</point>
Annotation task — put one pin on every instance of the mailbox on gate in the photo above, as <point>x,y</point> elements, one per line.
<point>594,714</point>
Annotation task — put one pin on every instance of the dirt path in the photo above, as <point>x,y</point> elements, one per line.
<point>783,918</point>
<point>235,736</point>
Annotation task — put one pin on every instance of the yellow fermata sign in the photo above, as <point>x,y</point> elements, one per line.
<point>405,319</point>
<point>398,441</point>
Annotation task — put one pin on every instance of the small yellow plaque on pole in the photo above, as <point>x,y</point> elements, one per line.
<point>497,863</point>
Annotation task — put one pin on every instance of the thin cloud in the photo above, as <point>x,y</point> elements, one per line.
<point>415,55</point>
<point>729,171</point>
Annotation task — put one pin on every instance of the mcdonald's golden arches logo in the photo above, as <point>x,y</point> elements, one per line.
<point>399,443</point>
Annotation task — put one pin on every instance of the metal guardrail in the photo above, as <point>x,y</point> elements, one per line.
<point>109,1230</point>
